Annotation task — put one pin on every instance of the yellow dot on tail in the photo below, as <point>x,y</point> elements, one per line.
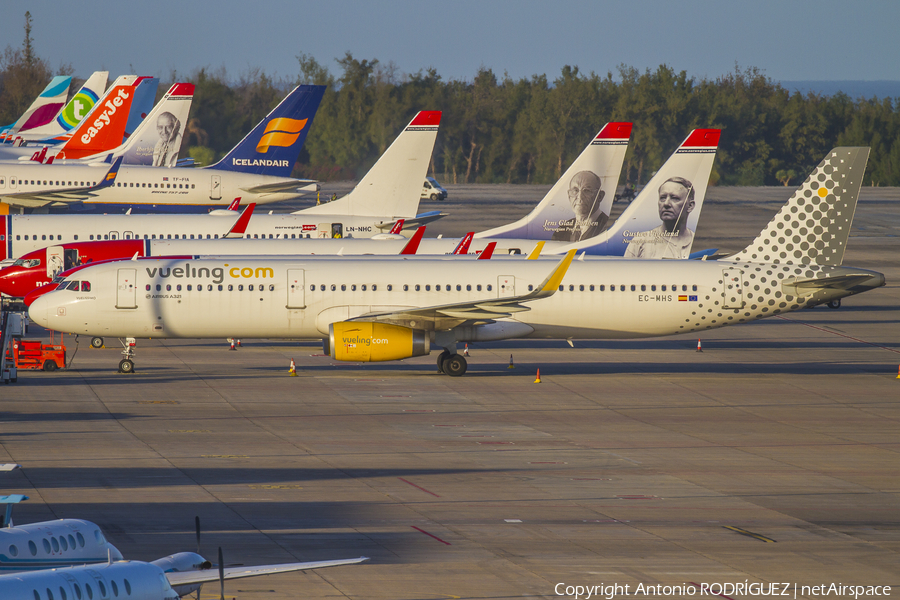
<point>822,192</point>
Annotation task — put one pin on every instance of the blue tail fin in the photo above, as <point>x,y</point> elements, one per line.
<point>273,145</point>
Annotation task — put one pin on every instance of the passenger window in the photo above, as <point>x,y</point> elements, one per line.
<point>230,288</point>
<point>102,588</point>
<point>643,288</point>
<point>417,287</point>
<point>209,288</point>
<point>63,543</point>
<point>13,551</point>
<point>592,287</point>
<point>312,288</point>
<point>62,593</point>
<point>32,547</point>
<point>343,287</point>
<point>389,287</point>
<point>405,288</point>
<point>478,288</point>
<point>652,288</point>
<point>458,288</point>
<point>363,287</point>
<point>55,544</point>
<point>189,287</point>
<point>80,539</point>
<point>427,288</point>
<point>92,236</point>
<point>684,288</point>
<point>321,288</point>
<point>148,287</point>
<point>49,594</point>
<point>271,288</point>
<point>374,287</point>
<point>621,288</point>
<point>89,590</point>
<point>77,590</point>
<point>158,288</point>
<point>602,288</point>
<point>115,588</point>
<point>168,287</point>
<point>178,287</point>
<point>530,287</point>
<point>240,288</point>
<point>37,595</point>
<point>693,288</point>
<point>562,288</point>
<point>437,288</point>
<point>46,546</point>
<point>127,587</point>
<point>220,288</point>
<point>489,288</point>
<point>663,288</point>
<point>353,288</point>
<point>468,287</point>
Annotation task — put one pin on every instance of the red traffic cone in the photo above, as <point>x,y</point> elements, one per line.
<point>293,369</point>
<point>239,343</point>
<point>699,346</point>
<point>232,344</point>
<point>538,378</point>
<point>466,351</point>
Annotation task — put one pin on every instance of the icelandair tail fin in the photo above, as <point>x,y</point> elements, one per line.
<point>590,183</point>
<point>104,127</point>
<point>158,139</point>
<point>272,147</point>
<point>814,225</point>
<point>660,222</point>
<point>73,112</point>
<point>44,107</point>
<point>393,185</point>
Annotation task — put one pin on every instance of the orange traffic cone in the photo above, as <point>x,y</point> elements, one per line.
<point>538,378</point>
<point>898,373</point>
<point>511,365</point>
<point>466,351</point>
<point>232,344</point>
<point>699,346</point>
<point>239,343</point>
<point>293,369</point>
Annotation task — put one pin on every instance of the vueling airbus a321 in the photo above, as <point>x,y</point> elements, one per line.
<point>390,309</point>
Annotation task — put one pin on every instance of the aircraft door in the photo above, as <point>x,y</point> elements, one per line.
<point>12,183</point>
<point>70,258</point>
<point>733,292</point>
<point>127,235</point>
<point>55,261</point>
<point>126,291</point>
<point>296,289</point>
<point>506,286</point>
<point>337,231</point>
<point>215,187</point>
<point>113,235</point>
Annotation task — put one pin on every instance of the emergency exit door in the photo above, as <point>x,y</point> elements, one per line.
<point>296,289</point>
<point>126,291</point>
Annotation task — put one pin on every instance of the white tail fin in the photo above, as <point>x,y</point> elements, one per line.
<point>814,224</point>
<point>44,107</point>
<point>392,186</point>
<point>655,228</point>
<point>591,181</point>
<point>157,140</point>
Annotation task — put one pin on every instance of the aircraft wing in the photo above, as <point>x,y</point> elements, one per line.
<point>446,316</point>
<point>302,185</point>
<point>67,195</point>
<point>208,575</point>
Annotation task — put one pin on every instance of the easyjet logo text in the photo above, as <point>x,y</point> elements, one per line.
<point>111,106</point>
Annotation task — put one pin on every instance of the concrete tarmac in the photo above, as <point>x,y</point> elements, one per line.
<point>772,456</point>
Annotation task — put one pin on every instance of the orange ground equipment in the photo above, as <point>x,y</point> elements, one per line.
<point>34,355</point>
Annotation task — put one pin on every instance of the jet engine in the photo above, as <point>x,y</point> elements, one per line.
<point>362,341</point>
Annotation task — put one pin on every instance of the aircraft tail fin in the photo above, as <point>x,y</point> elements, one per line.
<point>272,147</point>
<point>488,251</point>
<point>44,107</point>
<point>104,126</point>
<point>463,246</point>
<point>73,112</point>
<point>398,227</point>
<point>412,246</point>
<point>814,224</point>
<point>147,146</point>
<point>393,185</point>
<point>240,225</point>
<point>595,175</point>
<point>643,229</point>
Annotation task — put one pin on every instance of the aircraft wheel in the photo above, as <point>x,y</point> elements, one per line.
<point>455,366</point>
<point>49,365</point>
<point>96,342</point>
<point>126,366</point>
<point>834,304</point>
<point>440,360</point>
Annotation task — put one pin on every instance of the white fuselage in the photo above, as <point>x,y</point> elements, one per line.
<point>176,189</point>
<point>53,544</point>
<point>126,579</point>
<point>299,298</point>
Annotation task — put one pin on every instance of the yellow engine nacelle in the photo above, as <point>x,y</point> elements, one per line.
<point>364,341</point>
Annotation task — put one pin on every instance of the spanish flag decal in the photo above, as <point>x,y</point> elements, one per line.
<point>280,133</point>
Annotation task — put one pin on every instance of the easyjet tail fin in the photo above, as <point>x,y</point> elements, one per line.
<point>393,185</point>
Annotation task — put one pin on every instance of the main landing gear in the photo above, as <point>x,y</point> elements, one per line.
<point>453,365</point>
<point>126,365</point>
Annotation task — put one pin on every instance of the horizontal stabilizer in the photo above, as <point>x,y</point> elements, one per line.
<point>208,575</point>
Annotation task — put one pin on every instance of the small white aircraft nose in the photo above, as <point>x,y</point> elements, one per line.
<point>38,311</point>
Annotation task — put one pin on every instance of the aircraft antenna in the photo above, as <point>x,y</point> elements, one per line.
<point>197,528</point>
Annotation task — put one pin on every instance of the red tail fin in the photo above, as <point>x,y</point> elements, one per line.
<point>398,226</point>
<point>488,251</point>
<point>236,205</point>
<point>413,244</point>
<point>240,226</point>
<point>463,246</point>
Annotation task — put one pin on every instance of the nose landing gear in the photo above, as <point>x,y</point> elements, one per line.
<point>126,365</point>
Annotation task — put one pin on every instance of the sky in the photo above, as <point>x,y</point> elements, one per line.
<point>792,40</point>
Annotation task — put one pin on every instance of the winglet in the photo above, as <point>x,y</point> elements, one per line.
<point>551,284</point>
<point>463,246</point>
<point>240,226</point>
<point>398,226</point>
<point>488,251</point>
<point>110,178</point>
<point>537,251</point>
<point>413,244</point>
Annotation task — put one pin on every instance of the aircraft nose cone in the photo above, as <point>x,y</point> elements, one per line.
<point>38,310</point>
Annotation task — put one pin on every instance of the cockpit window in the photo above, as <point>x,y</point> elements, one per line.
<point>85,286</point>
<point>27,263</point>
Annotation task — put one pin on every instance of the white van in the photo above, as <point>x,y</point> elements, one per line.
<point>432,190</point>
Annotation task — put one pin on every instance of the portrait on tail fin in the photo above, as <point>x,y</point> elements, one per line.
<point>586,197</point>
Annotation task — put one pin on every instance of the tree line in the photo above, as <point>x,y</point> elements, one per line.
<point>496,129</point>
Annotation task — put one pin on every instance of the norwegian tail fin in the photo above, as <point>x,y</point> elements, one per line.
<point>814,224</point>
<point>272,147</point>
<point>158,139</point>
<point>393,185</point>
<point>655,228</point>
<point>594,173</point>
